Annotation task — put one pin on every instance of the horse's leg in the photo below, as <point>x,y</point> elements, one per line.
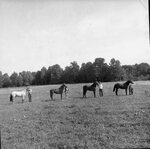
<point>94,94</point>
<point>84,95</point>
<point>84,92</point>
<point>13,99</point>
<point>61,96</point>
<point>116,91</point>
<point>51,94</point>
<point>126,91</point>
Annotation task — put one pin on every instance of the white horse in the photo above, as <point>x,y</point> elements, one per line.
<point>21,93</point>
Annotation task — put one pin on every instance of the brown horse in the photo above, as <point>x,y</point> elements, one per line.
<point>122,86</point>
<point>90,88</point>
<point>60,91</point>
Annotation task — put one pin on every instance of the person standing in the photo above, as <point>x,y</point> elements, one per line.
<point>66,92</point>
<point>130,89</point>
<point>29,94</point>
<point>100,89</point>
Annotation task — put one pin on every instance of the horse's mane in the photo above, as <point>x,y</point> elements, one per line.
<point>94,83</point>
<point>129,81</point>
<point>63,85</point>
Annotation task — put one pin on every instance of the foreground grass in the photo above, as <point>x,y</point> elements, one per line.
<point>76,123</point>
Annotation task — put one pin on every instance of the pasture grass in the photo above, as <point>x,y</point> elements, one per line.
<point>76,123</point>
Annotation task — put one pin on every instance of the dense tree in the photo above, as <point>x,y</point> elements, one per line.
<point>66,77</point>
<point>141,71</point>
<point>88,72</point>
<point>70,74</point>
<point>82,74</point>
<point>1,79</point>
<point>14,79</point>
<point>148,73</point>
<point>48,75</point>
<point>75,71</point>
<point>43,75</point>
<point>6,80</point>
<point>116,70</point>
<point>20,80</point>
<point>101,69</point>
<point>56,73</point>
<point>143,68</point>
<point>128,72</point>
<point>37,78</point>
<point>27,77</point>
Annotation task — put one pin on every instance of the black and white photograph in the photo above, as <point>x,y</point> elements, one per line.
<point>74,74</point>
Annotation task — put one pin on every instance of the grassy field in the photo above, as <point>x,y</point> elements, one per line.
<point>108,122</point>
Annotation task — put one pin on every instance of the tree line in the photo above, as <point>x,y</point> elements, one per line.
<point>88,72</point>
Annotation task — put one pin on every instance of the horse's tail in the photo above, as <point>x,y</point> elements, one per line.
<point>51,94</point>
<point>11,98</point>
<point>114,88</point>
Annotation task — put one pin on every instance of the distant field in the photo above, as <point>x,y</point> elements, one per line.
<point>75,123</point>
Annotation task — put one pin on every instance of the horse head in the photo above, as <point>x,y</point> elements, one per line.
<point>95,83</point>
<point>28,90</point>
<point>129,81</point>
<point>63,86</point>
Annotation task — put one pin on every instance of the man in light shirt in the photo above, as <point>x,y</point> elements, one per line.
<point>100,88</point>
<point>66,92</point>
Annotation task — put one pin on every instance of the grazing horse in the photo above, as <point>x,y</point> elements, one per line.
<point>21,93</point>
<point>90,88</point>
<point>121,86</point>
<point>60,91</point>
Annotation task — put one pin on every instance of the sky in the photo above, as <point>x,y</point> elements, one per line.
<point>37,33</point>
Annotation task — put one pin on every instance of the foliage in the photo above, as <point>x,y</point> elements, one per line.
<point>88,72</point>
<point>70,74</point>
<point>56,72</point>
<point>1,79</point>
<point>6,80</point>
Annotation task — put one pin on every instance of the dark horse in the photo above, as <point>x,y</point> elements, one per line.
<point>90,88</point>
<point>121,86</point>
<point>58,91</point>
